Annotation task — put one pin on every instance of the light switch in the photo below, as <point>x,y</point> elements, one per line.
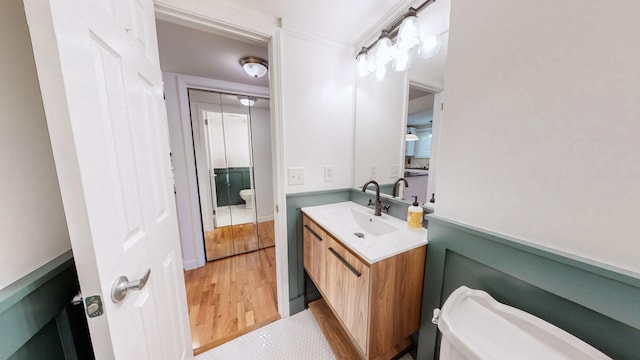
<point>328,173</point>
<point>394,171</point>
<point>373,171</point>
<point>296,176</point>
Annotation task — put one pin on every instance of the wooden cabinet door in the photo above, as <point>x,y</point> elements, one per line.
<point>314,251</point>
<point>348,291</point>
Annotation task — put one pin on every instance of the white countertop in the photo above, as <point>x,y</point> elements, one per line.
<point>334,219</point>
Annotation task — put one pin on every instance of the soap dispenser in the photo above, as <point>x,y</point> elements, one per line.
<point>414,215</point>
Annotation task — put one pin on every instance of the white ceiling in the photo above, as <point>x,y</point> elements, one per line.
<point>195,52</point>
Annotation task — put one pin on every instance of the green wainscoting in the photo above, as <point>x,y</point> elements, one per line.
<point>597,303</point>
<point>294,238</point>
<point>229,182</point>
<point>33,313</point>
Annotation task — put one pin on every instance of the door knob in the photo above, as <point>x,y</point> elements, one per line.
<point>122,285</point>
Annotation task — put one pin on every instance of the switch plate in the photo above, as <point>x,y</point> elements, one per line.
<point>394,171</point>
<point>296,176</point>
<point>328,173</point>
<point>373,171</point>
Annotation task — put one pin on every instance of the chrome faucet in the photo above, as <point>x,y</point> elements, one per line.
<point>378,203</point>
<point>396,186</point>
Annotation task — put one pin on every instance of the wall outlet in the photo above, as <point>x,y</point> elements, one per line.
<point>296,176</point>
<point>373,171</point>
<point>328,173</point>
<point>394,171</point>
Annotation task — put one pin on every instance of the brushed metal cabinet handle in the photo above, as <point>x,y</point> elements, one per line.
<point>345,262</point>
<point>313,232</point>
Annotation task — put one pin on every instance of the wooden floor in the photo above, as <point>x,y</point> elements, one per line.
<point>237,239</point>
<point>230,297</point>
<point>338,338</point>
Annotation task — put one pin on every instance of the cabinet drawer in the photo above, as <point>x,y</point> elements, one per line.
<point>314,253</point>
<point>347,283</point>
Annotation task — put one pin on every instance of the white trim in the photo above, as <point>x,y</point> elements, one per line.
<point>265,218</point>
<point>279,176</point>
<point>190,264</point>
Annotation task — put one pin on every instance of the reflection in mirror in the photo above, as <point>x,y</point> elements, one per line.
<point>418,152</point>
<point>384,110</point>
<point>222,135</point>
<point>379,134</point>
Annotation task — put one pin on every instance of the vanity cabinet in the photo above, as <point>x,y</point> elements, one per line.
<point>378,304</point>
<point>347,290</point>
<point>315,252</point>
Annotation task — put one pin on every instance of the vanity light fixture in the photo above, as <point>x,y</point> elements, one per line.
<point>254,66</point>
<point>406,32</point>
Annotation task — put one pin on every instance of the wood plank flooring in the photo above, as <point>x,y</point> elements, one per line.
<point>230,297</point>
<point>337,337</point>
<point>339,340</point>
<point>237,239</point>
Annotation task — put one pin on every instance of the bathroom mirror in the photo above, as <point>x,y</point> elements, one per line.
<point>383,112</point>
<point>224,149</point>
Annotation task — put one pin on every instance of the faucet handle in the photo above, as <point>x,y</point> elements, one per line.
<point>386,208</point>
<point>370,203</point>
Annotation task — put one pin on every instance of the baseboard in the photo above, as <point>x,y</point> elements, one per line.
<point>190,264</point>
<point>265,218</point>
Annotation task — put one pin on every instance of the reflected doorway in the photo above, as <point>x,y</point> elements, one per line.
<point>235,192</point>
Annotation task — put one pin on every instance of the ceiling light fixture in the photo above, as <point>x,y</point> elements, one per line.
<point>254,66</point>
<point>407,33</point>
<point>412,137</point>
<point>247,101</point>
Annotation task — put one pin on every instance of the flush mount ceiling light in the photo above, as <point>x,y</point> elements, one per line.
<point>412,137</point>
<point>247,101</point>
<point>406,32</point>
<point>254,66</point>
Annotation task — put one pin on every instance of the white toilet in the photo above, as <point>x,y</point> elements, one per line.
<point>247,196</point>
<point>475,326</point>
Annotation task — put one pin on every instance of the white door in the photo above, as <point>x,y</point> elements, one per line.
<point>99,72</point>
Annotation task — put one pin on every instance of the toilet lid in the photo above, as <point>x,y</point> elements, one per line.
<point>480,327</point>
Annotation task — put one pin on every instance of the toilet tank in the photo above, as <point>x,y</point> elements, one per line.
<point>476,326</point>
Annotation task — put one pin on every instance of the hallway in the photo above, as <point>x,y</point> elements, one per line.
<point>230,297</point>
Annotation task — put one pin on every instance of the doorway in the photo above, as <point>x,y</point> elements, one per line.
<point>235,290</point>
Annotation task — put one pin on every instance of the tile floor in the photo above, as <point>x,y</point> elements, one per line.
<point>239,214</point>
<point>292,338</point>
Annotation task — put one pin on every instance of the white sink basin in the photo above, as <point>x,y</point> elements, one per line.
<point>374,238</point>
<point>368,223</point>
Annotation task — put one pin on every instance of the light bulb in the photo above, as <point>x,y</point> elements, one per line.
<point>383,50</point>
<point>401,59</point>
<point>363,67</point>
<point>429,47</point>
<point>408,34</point>
<point>247,101</point>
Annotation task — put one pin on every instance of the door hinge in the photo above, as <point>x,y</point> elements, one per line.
<point>441,106</point>
<point>206,121</point>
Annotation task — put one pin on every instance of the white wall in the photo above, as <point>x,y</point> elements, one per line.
<point>33,230</point>
<point>318,107</point>
<point>540,133</point>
